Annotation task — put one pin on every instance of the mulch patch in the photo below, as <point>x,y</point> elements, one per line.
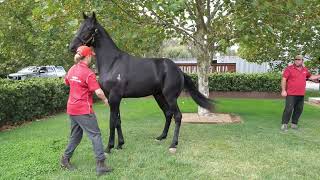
<point>212,118</point>
<point>10,126</point>
<point>313,104</point>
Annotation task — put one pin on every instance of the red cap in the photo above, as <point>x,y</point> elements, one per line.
<point>85,51</point>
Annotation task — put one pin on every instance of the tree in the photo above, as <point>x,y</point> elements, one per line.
<point>128,35</point>
<point>278,30</point>
<point>206,25</point>
<point>265,30</point>
<point>16,32</point>
<point>172,48</point>
<point>39,32</point>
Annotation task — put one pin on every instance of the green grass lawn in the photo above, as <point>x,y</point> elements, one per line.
<point>254,149</point>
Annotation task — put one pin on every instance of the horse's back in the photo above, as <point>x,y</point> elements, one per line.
<point>143,77</point>
<point>149,76</point>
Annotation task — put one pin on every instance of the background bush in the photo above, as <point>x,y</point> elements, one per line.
<point>29,99</point>
<point>262,82</point>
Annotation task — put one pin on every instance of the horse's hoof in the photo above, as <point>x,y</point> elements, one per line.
<point>119,147</point>
<point>172,150</point>
<point>160,138</point>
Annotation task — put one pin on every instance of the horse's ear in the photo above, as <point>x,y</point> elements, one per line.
<point>84,15</point>
<point>94,17</point>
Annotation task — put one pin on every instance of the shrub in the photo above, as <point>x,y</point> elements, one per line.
<point>262,82</point>
<point>29,99</point>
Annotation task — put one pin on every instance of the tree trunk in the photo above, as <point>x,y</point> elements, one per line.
<point>204,60</point>
<point>201,51</point>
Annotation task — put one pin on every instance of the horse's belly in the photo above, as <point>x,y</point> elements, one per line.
<point>141,90</point>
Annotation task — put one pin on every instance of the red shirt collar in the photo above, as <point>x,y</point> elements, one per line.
<point>81,63</point>
<point>296,67</point>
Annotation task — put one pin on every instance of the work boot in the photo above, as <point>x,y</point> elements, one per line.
<point>294,126</point>
<point>284,127</point>
<point>65,163</point>
<point>102,169</point>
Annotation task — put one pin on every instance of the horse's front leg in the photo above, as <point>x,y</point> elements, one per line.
<point>119,130</point>
<point>112,132</point>
<point>114,103</point>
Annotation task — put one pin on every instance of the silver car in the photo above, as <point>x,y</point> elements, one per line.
<point>38,71</point>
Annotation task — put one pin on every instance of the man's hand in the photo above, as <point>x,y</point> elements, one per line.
<point>284,93</point>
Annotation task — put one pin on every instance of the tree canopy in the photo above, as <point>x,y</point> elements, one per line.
<point>279,30</point>
<point>38,32</point>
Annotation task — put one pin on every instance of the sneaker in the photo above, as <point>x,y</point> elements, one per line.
<point>294,126</point>
<point>284,127</point>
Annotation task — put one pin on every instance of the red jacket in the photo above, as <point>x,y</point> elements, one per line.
<point>83,83</point>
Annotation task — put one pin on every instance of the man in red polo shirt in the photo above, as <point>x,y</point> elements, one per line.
<point>293,88</point>
<point>83,84</point>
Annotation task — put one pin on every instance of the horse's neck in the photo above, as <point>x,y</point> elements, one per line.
<point>106,52</point>
<point>105,40</point>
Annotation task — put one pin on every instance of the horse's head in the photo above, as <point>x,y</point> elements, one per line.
<point>86,33</point>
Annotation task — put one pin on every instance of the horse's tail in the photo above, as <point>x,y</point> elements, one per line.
<point>199,98</point>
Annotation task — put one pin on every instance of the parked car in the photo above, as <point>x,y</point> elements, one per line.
<point>38,71</point>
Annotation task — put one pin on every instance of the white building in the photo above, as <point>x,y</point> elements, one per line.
<point>243,66</point>
<point>224,64</point>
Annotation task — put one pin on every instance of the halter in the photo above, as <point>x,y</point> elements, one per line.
<point>90,39</point>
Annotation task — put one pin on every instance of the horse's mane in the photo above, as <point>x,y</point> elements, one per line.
<point>104,32</point>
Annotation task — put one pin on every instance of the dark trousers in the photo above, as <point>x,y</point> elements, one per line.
<point>87,123</point>
<point>293,109</point>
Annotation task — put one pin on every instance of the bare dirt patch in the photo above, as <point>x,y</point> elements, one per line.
<point>313,104</point>
<point>213,118</point>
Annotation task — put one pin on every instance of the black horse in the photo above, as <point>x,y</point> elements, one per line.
<point>122,75</point>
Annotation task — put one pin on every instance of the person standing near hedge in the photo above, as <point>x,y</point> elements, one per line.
<point>293,86</point>
<point>83,83</point>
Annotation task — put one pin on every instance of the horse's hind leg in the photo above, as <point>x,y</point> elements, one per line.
<point>177,117</point>
<point>167,113</point>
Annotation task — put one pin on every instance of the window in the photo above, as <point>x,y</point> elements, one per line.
<point>50,69</point>
<point>59,68</point>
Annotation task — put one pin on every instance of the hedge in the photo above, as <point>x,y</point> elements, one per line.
<point>262,82</point>
<point>35,98</point>
<point>29,99</point>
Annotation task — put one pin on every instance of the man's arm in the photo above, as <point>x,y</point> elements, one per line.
<point>284,86</point>
<point>315,77</point>
<point>101,95</point>
<point>66,81</point>
<point>94,86</point>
